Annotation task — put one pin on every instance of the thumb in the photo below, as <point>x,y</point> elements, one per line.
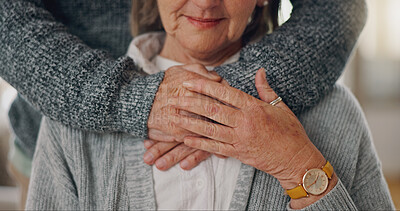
<point>266,93</point>
<point>264,90</point>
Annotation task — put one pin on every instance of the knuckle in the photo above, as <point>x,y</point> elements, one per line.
<point>171,125</point>
<point>175,91</point>
<point>156,150</point>
<point>212,109</point>
<point>216,147</point>
<point>170,158</point>
<point>210,130</point>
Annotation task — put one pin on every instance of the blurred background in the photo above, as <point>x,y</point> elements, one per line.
<point>373,75</point>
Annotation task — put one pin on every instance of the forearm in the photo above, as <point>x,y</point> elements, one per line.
<point>65,79</point>
<point>306,55</point>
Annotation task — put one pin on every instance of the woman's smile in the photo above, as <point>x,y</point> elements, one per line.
<point>204,23</point>
<point>205,32</point>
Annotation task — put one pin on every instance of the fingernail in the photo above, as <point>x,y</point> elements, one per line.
<point>161,163</point>
<point>185,164</point>
<point>187,85</point>
<point>148,143</point>
<point>148,157</point>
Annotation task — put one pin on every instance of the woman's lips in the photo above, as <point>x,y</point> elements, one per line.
<point>203,23</point>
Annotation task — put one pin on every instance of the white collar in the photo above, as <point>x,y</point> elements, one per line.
<point>144,48</point>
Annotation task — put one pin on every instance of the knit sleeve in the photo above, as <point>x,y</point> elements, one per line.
<point>82,87</point>
<point>306,55</point>
<point>65,79</point>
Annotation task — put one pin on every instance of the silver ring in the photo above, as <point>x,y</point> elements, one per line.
<point>276,101</point>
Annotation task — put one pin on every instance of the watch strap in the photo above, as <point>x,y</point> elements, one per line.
<point>297,192</point>
<point>328,169</point>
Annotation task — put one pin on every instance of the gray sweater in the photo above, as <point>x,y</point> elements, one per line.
<point>66,59</point>
<point>75,169</point>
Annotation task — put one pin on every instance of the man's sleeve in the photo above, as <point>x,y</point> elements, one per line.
<point>65,79</point>
<point>78,86</point>
<point>306,55</point>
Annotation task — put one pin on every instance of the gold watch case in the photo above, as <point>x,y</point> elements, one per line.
<point>315,181</point>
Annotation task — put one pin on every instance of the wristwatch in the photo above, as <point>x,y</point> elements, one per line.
<point>315,182</point>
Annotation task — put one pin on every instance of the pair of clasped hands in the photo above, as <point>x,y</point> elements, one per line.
<point>196,113</point>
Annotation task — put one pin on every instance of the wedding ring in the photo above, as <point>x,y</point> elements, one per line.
<point>276,101</point>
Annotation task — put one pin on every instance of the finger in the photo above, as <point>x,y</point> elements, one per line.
<point>266,93</point>
<point>194,159</point>
<point>225,82</point>
<point>158,135</point>
<point>157,150</point>
<point>149,143</point>
<point>202,70</point>
<point>213,110</point>
<point>223,93</point>
<point>221,156</point>
<point>211,146</point>
<point>173,157</point>
<point>165,123</point>
<point>205,128</point>
<point>162,122</point>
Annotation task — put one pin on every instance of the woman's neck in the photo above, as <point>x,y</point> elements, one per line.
<point>174,51</point>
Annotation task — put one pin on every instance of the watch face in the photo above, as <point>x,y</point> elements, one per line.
<point>315,181</point>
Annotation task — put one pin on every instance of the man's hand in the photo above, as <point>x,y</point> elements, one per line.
<point>165,148</point>
<point>159,122</point>
<point>166,154</point>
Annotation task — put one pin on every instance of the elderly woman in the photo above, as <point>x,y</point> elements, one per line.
<point>324,158</point>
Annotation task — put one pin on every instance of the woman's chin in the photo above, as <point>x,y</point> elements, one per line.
<point>209,52</point>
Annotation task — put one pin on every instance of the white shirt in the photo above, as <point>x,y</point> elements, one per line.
<point>211,184</point>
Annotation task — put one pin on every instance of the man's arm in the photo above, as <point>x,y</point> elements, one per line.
<point>65,79</point>
<point>306,55</point>
<point>86,88</point>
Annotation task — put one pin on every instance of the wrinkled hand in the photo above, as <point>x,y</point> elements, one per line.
<point>159,121</point>
<point>163,150</point>
<point>269,138</point>
<point>166,154</point>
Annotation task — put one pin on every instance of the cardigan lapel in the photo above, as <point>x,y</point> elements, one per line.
<point>139,179</point>
<point>242,188</point>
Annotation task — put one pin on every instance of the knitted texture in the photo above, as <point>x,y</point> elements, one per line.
<point>61,56</point>
<point>76,169</point>
<point>304,57</point>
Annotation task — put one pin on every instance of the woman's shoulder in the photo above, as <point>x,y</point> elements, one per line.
<point>337,121</point>
<point>338,128</point>
<point>339,110</point>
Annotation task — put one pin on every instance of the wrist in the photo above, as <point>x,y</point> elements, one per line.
<point>294,175</point>
<point>306,201</point>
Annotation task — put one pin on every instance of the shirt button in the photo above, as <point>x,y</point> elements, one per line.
<point>200,183</point>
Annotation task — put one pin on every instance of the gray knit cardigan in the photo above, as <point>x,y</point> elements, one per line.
<point>66,59</point>
<point>78,170</point>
